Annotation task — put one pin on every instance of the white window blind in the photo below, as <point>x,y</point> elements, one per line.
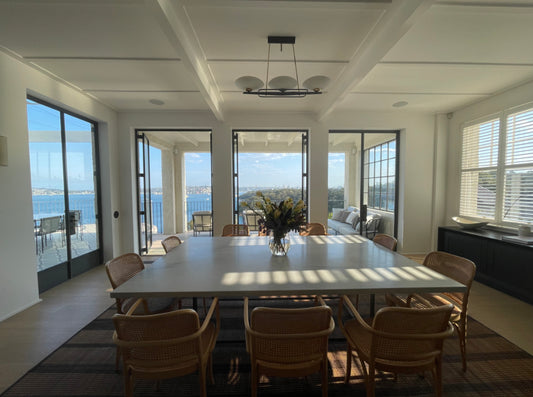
<point>518,168</point>
<point>497,169</point>
<point>479,170</point>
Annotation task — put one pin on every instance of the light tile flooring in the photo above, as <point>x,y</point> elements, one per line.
<point>30,336</point>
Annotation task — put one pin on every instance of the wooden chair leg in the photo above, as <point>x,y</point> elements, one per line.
<point>128,383</point>
<point>348,364</point>
<point>254,380</point>
<point>202,381</point>
<point>437,377</point>
<point>324,373</point>
<point>461,331</point>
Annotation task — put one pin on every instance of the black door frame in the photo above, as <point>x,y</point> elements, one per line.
<point>55,275</point>
<point>235,165</point>
<point>138,131</point>
<point>362,165</point>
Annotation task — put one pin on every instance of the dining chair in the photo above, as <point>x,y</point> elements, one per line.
<point>232,230</point>
<point>386,241</point>
<point>124,267</point>
<point>170,243</point>
<point>400,340</point>
<point>166,345</point>
<point>288,342</point>
<point>121,269</point>
<point>457,268</point>
<point>313,229</point>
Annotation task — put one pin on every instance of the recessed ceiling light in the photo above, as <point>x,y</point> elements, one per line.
<point>400,104</point>
<point>158,102</point>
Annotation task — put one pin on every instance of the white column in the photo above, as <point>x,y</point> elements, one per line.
<point>167,176</point>
<point>179,191</point>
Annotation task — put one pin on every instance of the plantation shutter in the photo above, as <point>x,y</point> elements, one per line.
<point>518,182</point>
<point>479,170</point>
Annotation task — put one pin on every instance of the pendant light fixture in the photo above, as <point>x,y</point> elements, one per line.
<point>282,86</point>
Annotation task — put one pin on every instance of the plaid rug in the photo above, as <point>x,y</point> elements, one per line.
<point>85,366</point>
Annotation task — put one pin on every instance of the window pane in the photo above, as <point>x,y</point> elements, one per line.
<point>519,145</point>
<point>478,194</point>
<point>480,145</point>
<point>518,195</point>
<point>392,149</point>
<point>46,165</point>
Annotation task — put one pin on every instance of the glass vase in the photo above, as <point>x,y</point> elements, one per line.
<point>279,246</point>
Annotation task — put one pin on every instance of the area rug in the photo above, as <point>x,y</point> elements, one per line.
<point>85,366</point>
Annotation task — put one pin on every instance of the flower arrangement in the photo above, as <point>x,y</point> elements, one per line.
<point>278,218</point>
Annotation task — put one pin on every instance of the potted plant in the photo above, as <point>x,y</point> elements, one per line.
<point>278,219</point>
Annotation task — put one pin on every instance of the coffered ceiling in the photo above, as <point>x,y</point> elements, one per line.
<point>437,56</point>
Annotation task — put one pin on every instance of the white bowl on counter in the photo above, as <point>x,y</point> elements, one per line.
<point>465,223</point>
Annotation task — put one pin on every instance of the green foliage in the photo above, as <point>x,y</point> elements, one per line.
<point>279,217</point>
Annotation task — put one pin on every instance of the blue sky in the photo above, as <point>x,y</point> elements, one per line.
<point>255,169</point>
<point>46,157</point>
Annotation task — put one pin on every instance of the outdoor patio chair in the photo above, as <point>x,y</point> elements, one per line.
<point>400,340</point>
<point>235,230</point>
<point>251,219</point>
<point>288,342</point>
<point>166,345</point>
<point>313,229</point>
<point>202,221</point>
<point>457,268</point>
<point>170,243</point>
<point>48,226</point>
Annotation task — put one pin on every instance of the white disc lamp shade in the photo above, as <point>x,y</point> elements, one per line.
<point>316,83</point>
<point>248,83</point>
<point>282,83</point>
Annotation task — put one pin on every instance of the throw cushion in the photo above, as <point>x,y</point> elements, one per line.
<point>355,221</point>
<point>351,217</point>
<point>344,215</point>
<point>337,214</point>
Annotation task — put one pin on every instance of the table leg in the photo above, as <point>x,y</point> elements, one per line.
<point>195,304</point>
<point>372,305</point>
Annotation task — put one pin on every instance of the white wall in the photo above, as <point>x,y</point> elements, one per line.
<point>18,262</point>
<point>506,100</point>
<point>416,162</point>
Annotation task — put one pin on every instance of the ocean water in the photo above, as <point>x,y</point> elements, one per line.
<point>46,205</point>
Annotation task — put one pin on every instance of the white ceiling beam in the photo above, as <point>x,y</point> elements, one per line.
<point>175,24</point>
<point>188,138</point>
<point>390,28</point>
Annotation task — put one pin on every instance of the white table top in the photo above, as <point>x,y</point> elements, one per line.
<point>244,266</point>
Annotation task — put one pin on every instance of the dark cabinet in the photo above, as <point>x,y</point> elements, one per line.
<point>500,264</point>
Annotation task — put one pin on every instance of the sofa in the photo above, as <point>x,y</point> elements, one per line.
<point>346,222</point>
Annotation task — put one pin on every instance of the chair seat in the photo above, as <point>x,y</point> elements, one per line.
<point>433,299</point>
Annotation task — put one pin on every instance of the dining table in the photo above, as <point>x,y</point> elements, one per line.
<point>314,265</point>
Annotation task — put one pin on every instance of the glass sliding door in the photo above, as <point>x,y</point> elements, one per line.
<point>363,172</point>
<point>64,178</point>
<point>272,161</point>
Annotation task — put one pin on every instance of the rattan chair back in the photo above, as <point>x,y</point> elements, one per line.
<point>166,345</point>
<point>288,342</point>
<point>455,267</point>
<point>386,241</point>
<point>235,230</point>
<point>170,243</point>
<point>313,229</point>
<point>122,268</point>
<point>400,340</point>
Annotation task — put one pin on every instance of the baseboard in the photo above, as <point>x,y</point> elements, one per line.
<point>20,310</point>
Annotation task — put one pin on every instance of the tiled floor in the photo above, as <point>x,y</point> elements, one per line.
<point>28,337</point>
